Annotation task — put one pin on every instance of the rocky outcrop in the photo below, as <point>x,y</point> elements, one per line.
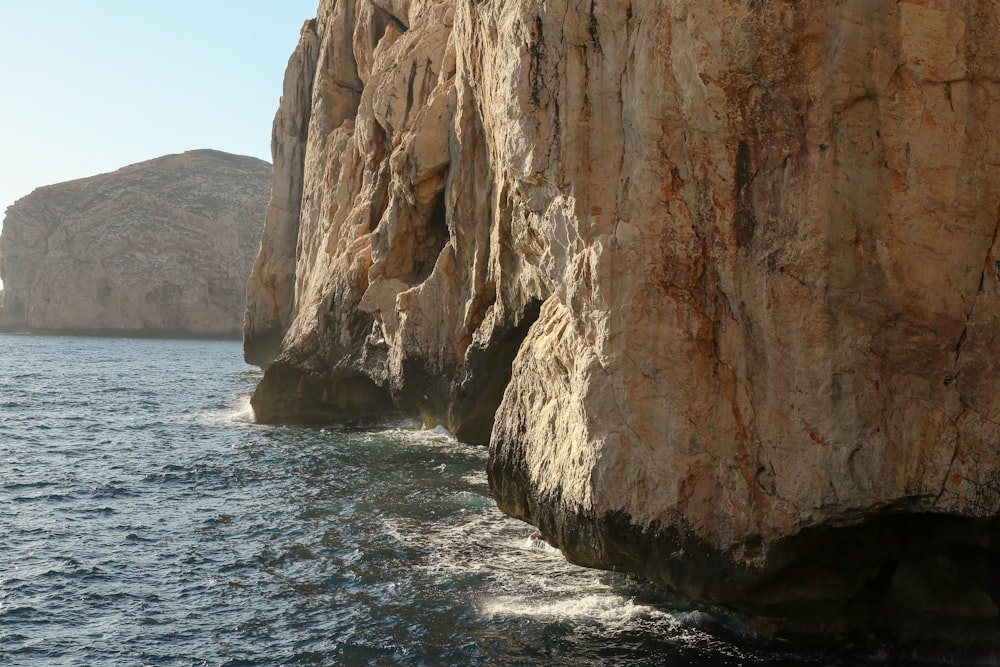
<point>718,282</point>
<point>270,288</point>
<point>162,247</point>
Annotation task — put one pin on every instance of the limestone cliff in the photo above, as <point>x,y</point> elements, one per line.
<point>160,247</point>
<point>718,281</point>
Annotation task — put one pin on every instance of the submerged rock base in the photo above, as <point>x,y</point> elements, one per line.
<point>924,581</point>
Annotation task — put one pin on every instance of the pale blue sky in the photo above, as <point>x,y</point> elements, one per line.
<point>89,86</point>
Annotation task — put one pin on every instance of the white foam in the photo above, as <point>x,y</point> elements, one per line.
<point>442,431</point>
<point>238,412</point>
<point>604,608</point>
<point>529,579</point>
<point>535,541</point>
<point>475,478</point>
<point>244,412</point>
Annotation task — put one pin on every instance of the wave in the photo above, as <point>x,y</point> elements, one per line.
<point>243,413</point>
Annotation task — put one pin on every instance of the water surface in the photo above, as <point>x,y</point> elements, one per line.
<point>147,521</point>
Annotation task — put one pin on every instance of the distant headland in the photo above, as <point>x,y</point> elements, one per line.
<point>158,248</point>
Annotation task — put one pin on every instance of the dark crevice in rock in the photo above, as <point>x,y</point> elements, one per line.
<point>380,140</point>
<point>537,49</point>
<point>381,21</point>
<point>745,224</point>
<point>411,79</point>
<point>424,392</point>
<point>593,30</point>
<point>380,194</point>
<point>487,373</point>
<point>414,249</point>
<point>435,235</point>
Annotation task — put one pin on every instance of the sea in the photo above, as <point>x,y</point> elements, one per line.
<point>145,519</point>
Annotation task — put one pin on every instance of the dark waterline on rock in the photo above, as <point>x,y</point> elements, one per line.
<point>149,521</point>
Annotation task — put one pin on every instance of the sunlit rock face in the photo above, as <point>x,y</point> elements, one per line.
<point>162,247</point>
<point>718,282</point>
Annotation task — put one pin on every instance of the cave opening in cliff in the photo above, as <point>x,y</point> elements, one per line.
<point>381,21</point>
<point>435,235</point>
<point>489,368</point>
<point>899,575</point>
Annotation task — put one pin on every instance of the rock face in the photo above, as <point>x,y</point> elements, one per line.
<point>718,282</point>
<point>160,247</point>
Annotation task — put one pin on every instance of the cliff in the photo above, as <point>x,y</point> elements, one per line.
<point>162,247</point>
<point>718,282</point>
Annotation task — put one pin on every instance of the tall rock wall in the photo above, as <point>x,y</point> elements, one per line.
<point>718,282</point>
<point>160,247</point>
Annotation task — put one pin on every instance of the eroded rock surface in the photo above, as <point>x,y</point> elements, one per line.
<point>719,282</point>
<point>160,247</point>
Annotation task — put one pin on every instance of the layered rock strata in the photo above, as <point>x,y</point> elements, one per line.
<point>162,247</point>
<point>718,282</point>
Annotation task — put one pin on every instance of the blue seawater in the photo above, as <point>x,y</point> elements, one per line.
<point>146,520</point>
